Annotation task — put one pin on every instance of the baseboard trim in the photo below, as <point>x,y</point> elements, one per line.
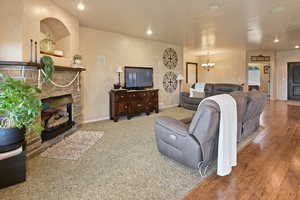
<point>162,107</point>
<point>168,106</point>
<point>95,120</point>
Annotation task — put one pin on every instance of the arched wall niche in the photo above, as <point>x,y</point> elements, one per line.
<point>56,30</point>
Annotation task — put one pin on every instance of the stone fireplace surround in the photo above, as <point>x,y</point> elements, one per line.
<point>30,74</point>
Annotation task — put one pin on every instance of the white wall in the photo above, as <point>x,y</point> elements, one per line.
<point>188,56</point>
<point>20,22</point>
<point>11,12</point>
<point>282,59</point>
<point>230,67</point>
<point>37,10</point>
<point>103,52</point>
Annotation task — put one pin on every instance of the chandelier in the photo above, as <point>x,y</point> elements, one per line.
<point>208,65</point>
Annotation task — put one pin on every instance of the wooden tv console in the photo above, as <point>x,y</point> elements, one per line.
<point>132,102</point>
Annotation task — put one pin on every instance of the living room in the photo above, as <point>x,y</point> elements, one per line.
<point>126,99</point>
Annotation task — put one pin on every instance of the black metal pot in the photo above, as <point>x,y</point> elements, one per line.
<point>11,139</point>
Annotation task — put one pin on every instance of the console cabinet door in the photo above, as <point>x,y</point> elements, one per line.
<point>121,108</point>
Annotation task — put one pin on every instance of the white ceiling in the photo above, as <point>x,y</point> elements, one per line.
<point>197,24</point>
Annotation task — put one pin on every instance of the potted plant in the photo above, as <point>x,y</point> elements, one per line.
<point>19,109</point>
<point>48,68</point>
<point>77,59</point>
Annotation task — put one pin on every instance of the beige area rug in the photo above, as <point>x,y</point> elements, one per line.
<point>125,164</point>
<point>72,147</point>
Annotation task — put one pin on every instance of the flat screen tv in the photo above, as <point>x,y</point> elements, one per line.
<point>138,77</point>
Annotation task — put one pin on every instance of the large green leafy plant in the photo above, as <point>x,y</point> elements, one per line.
<point>19,104</point>
<point>48,67</point>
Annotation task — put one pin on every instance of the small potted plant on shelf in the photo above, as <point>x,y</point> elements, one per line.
<point>77,60</point>
<point>19,110</point>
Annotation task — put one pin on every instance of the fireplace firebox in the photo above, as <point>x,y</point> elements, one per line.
<point>56,116</point>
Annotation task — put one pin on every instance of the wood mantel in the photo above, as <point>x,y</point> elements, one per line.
<point>38,65</point>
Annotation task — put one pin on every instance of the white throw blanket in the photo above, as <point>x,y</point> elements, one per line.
<point>227,146</point>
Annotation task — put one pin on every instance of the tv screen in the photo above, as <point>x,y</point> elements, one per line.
<point>138,77</point>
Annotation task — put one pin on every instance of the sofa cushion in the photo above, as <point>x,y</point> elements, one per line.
<point>226,88</point>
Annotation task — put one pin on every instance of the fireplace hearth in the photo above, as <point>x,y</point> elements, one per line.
<point>57,116</point>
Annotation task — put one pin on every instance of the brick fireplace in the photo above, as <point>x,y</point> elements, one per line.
<point>61,115</point>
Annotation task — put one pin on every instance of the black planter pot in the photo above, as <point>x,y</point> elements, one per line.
<point>11,139</point>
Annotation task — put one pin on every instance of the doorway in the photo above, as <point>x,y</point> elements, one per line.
<point>294,81</point>
<point>259,77</point>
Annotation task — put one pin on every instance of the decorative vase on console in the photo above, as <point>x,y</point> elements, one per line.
<point>119,71</point>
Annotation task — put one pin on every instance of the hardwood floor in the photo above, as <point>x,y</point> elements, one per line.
<point>268,168</point>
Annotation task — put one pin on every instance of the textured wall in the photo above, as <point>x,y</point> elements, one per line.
<point>103,52</point>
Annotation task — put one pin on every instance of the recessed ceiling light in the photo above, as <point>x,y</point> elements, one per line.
<point>80,6</point>
<point>297,47</point>
<point>214,7</point>
<point>149,32</point>
<point>276,40</point>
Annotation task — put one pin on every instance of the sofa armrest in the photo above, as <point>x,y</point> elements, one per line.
<point>172,125</point>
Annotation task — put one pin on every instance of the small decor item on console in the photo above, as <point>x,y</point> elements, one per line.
<point>117,86</point>
<point>170,58</point>
<point>119,71</point>
<point>170,82</point>
<point>48,68</point>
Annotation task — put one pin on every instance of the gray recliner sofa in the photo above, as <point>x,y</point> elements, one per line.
<point>196,140</point>
<point>211,89</point>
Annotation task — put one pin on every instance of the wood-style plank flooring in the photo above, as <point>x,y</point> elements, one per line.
<point>268,168</point>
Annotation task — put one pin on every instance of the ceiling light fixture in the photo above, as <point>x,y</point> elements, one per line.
<point>276,40</point>
<point>297,47</point>
<point>149,32</point>
<point>80,6</point>
<point>208,65</point>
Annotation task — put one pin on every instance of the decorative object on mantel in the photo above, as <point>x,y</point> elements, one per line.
<point>119,71</point>
<point>35,47</point>
<point>72,147</point>
<point>31,46</point>
<point>47,67</point>
<point>170,58</point>
<point>77,60</point>
<point>47,44</point>
<point>208,65</point>
<point>170,82</point>
<point>260,58</point>
<point>180,78</point>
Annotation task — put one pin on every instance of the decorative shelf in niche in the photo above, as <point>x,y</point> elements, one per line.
<point>55,38</point>
<point>51,54</point>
